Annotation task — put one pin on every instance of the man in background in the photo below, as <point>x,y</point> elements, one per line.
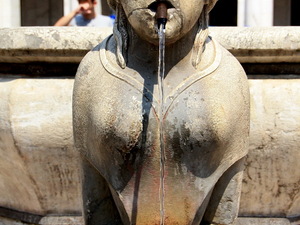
<point>85,15</point>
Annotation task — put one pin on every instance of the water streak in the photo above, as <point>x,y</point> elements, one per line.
<point>160,79</point>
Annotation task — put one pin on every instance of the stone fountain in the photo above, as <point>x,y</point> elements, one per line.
<point>152,160</point>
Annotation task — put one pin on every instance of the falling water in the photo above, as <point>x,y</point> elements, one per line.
<point>160,79</point>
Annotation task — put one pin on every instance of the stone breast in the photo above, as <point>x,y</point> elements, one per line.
<point>126,126</point>
<point>125,129</point>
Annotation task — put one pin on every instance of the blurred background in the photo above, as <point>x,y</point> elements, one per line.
<point>14,13</point>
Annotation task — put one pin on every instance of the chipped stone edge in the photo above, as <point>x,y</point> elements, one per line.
<point>70,44</point>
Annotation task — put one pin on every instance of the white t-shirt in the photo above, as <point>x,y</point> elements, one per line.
<point>98,21</point>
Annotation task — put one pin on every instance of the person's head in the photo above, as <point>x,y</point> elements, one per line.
<point>87,7</point>
<point>183,15</point>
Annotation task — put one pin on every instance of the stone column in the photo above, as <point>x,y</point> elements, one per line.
<point>10,13</point>
<point>98,7</point>
<point>255,13</point>
<point>69,5</point>
<point>241,18</point>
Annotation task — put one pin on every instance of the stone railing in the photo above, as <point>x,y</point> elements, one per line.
<point>38,166</point>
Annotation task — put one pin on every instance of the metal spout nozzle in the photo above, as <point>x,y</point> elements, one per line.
<point>161,14</point>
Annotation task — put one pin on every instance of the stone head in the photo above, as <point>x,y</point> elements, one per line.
<point>182,16</point>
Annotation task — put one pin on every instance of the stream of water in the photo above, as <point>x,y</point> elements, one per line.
<point>160,79</point>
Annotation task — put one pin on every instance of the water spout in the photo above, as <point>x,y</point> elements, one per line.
<point>161,14</point>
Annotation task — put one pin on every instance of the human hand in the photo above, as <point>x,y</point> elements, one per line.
<point>82,7</point>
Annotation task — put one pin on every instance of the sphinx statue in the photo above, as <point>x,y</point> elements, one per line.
<point>205,121</point>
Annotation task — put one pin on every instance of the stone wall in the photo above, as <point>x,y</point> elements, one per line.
<point>38,165</point>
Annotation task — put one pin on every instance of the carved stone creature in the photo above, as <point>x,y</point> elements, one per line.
<point>205,121</point>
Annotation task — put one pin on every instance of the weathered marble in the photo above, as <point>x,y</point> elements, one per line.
<point>37,163</point>
<point>6,221</point>
<point>270,190</point>
<point>260,45</point>
<point>273,162</point>
<point>61,220</point>
<point>77,220</point>
<point>146,155</point>
<point>69,44</point>
<point>263,221</point>
<point>270,185</point>
<point>48,44</point>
